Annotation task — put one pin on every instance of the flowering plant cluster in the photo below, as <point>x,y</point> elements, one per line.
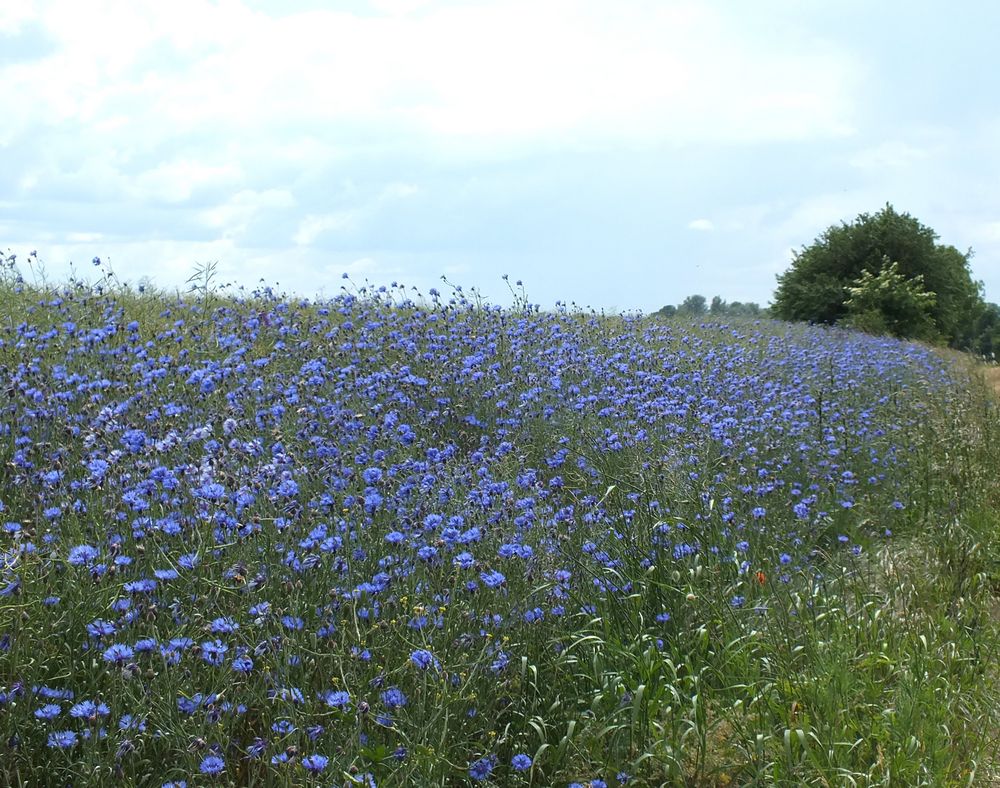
<point>259,540</point>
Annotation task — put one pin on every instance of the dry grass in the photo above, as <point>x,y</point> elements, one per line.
<point>992,375</point>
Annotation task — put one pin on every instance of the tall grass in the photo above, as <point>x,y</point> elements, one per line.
<point>378,540</point>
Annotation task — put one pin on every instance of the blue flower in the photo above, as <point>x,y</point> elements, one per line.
<point>393,698</point>
<point>119,654</point>
<point>82,555</point>
<point>423,659</point>
<point>481,770</point>
<point>224,625</point>
<point>493,579</point>
<point>243,664</point>
<point>212,764</point>
<point>48,712</point>
<point>521,762</point>
<point>338,699</point>
<point>315,763</point>
<point>89,711</point>
<point>62,740</point>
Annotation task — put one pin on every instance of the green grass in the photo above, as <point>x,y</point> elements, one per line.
<point>872,662</point>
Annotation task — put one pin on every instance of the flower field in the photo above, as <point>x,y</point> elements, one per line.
<point>249,540</point>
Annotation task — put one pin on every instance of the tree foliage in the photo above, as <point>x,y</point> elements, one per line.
<point>890,303</point>
<point>693,305</point>
<point>697,306</point>
<point>817,287</point>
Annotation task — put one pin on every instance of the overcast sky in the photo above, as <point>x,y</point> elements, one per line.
<point>620,155</point>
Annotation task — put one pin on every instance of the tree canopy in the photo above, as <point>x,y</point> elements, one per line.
<point>933,293</point>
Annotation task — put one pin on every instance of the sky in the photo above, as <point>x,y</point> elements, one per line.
<point>614,155</point>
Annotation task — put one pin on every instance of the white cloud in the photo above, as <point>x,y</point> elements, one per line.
<point>233,217</point>
<point>313,226</point>
<point>175,181</point>
<point>517,69</point>
<point>703,225</point>
<point>890,154</point>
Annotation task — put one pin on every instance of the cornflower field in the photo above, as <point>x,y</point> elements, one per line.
<point>389,539</point>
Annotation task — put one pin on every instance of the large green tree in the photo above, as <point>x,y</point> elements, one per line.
<point>818,285</point>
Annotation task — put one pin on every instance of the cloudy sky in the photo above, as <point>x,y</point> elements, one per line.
<point>620,155</point>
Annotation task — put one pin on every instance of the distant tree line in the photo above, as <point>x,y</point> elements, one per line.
<point>698,305</point>
<point>885,273</point>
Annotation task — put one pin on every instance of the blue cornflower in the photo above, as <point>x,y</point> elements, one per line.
<point>283,727</point>
<point>145,645</point>
<point>129,722</point>
<point>493,579</point>
<point>62,740</point>
<point>213,652</point>
<point>82,555</point>
<point>315,763</point>
<point>393,698</point>
<point>48,712</point>
<point>142,586</point>
<point>480,770</point>
<point>119,654</point>
<point>338,699</point>
<point>223,625</point>
<point>100,628</point>
<point>243,664</point>
<point>212,764</point>
<point>521,762</point>
<point>423,659</point>
<point>292,622</point>
<point>88,710</point>
<point>500,662</point>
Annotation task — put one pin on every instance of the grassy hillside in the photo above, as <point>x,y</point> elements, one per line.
<point>253,541</point>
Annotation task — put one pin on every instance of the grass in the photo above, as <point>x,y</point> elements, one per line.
<point>380,540</point>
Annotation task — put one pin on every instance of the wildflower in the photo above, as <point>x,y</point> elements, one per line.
<point>492,579</point>
<point>118,653</point>
<point>212,764</point>
<point>213,652</point>
<point>480,770</point>
<point>337,699</point>
<point>521,762</point>
<point>166,574</point>
<point>48,712</point>
<point>242,664</point>
<point>315,763</point>
<point>62,740</point>
<point>89,711</point>
<point>223,625</point>
<point>99,628</point>
<point>423,659</point>
<point>82,555</point>
<point>393,698</point>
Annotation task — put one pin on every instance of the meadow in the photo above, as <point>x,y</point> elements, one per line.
<point>396,539</point>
